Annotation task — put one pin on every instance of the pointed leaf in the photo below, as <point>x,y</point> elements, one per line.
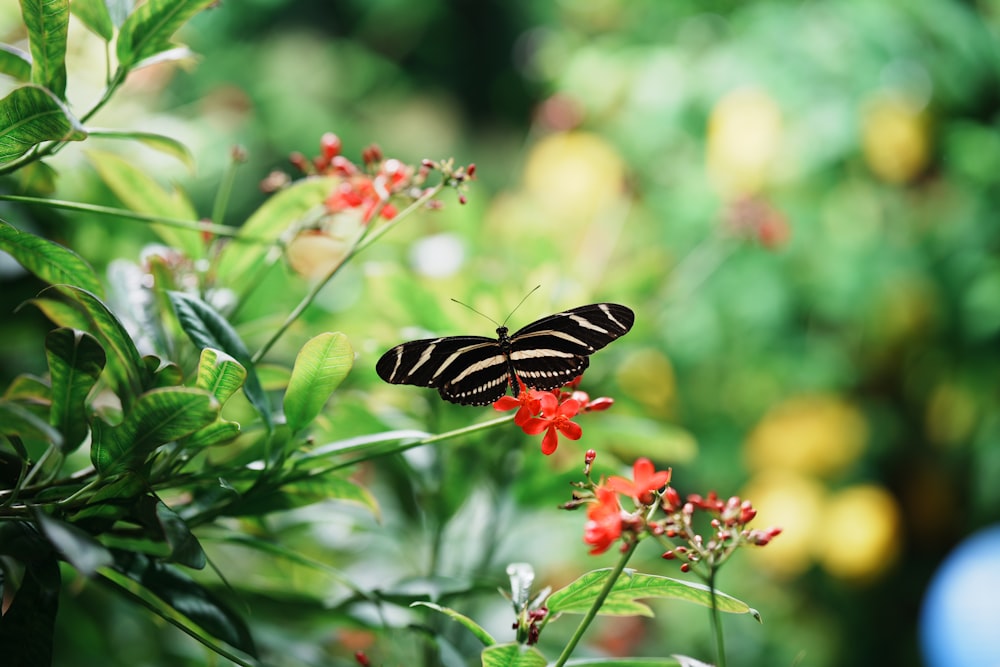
<point>159,416</point>
<point>512,655</point>
<point>28,388</point>
<point>48,25</point>
<point>94,14</point>
<point>578,596</point>
<point>184,546</point>
<point>76,361</point>
<point>77,546</point>
<point>60,313</point>
<point>480,633</point>
<point>15,63</point>
<point>219,373</point>
<point>141,193</point>
<point>162,373</point>
<point>48,261</point>
<point>159,142</point>
<point>207,328</point>
<point>245,254</point>
<point>217,433</point>
<point>125,367</point>
<point>672,661</point>
<point>260,501</point>
<point>149,29</point>
<point>30,115</point>
<point>165,589</point>
<point>115,498</point>
<point>320,367</point>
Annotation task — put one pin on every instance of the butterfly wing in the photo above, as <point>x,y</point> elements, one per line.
<point>469,370</point>
<point>550,352</point>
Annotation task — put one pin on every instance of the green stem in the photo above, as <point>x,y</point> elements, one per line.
<point>594,608</point>
<point>218,230</point>
<point>362,242</point>
<point>716,617</point>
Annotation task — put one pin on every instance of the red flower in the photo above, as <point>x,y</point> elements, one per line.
<point>528,402</point>
<point>555,419</point>
<point>604,521</point>
<point>645,481</point>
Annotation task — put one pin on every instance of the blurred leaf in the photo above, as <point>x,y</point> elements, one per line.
<point>37,178</point>
<point>159,142</point>
<point>578,596</point>
<point>522,578</point>
<point>17,420</point>
<point>94,14</point>
<point>61,313</point>
<point>158,416</point>
<point>260,501</point>
<point>179,600</point>
<point>241,258</point>
<point>184,546</point>
<point>366,444</point>
<point>26,387</point>
<point>142,194</point>
<point>219,373</point>
<point>675,661</point>
<point>48,23</point>
<point>162,373</point>
<point>218,433</point>
<point>150,27</point>
<point>48,261</point>
<point>77,546</point>
<point>512,655</point>
<point>124,364</point>
<point>320,367</point>
<point>30,115</point>
<point>114,499</point>
<point>76,361</point>
<point>27,625</point>
<point>208,329</point>
<point>15,63</point>
<point>480,633</point>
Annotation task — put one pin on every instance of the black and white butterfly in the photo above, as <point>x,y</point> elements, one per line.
<point>475,370</point>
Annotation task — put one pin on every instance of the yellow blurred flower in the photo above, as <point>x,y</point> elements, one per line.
<point>895,137</point>
<point>574,175</point>
<point>313,254</point>
<point>859,535</point>
<point>648,376</point>
<point>818,434</point>
<point>795,503</point>
<point>744,139</point>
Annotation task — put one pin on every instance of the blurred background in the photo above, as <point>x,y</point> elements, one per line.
<point>798,199</point>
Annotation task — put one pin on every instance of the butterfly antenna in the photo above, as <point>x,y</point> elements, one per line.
<point>519,304</point>
<point>477,312</point>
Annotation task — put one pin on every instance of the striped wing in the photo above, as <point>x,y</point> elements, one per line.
<point>552,351</point>
<point>470,370</point>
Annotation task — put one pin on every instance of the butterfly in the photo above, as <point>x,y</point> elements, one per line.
<point>475,370</point>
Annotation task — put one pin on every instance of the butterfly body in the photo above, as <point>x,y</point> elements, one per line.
<point>475,370</point>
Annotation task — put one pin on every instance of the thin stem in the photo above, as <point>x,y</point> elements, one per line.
<point>362,242</point>
<point>609,583</point>
<point>716,618</point>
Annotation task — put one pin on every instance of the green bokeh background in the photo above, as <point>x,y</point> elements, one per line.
<point>613,141</point>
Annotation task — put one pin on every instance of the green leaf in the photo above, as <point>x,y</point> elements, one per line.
<point>512,655</point>
<point>76,361</point>
<point>48,261</point>
<point>219,373</point>
<point>162,373</point>
<point>217,433</point>
<point>28,388</point>
<point>158,142</point>
<point>77,546</point>
<point>94,14</point>
<point>159,416</point>
<point>30,115</point>
<point>207,328</point>
<point>245,254</point>
<point>114,499</point>
<point>378,444</point>
<point>184,546</point>
<point>48,25</point>
<point>673,661</point>
<point>60,313</point>
<point>140,192</point>
<point>15,63</point>
<point>37,178</point>
<point>18,420</point>
<point>125,367</point>
<point>262,500</point>
<point>578,596</point>
<point>149,29</point>
<point>179,600</point>
<point>480,633</point>
<point>320,367</point>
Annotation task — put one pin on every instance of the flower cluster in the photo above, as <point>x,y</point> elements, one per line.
<point>367,189</point>
<point>551,412</point>
<point>649,490</point>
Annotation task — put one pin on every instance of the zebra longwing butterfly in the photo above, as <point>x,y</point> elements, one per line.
<point>475,370</point>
